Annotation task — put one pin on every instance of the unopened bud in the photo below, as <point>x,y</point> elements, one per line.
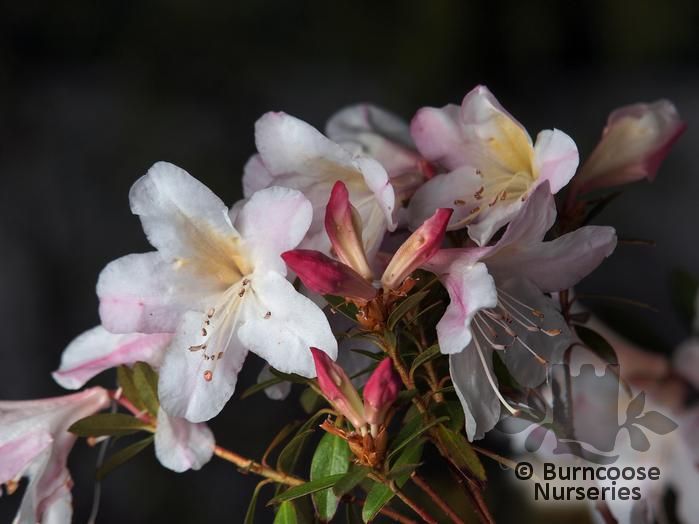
<point>337,388</point>
<point>417,249</point>
<point>327,276</point>
<point>343,225</point>
<point>634,143</point>
<point>380,392</point>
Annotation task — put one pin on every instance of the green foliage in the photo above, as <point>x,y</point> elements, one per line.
<point>460,451</point>
<point>252,505</point>
<point>286,514</point>
<point>306,489</point>
<point>350,480</point>
<point>109,424</point>
<point>122,456</point>
<point>331,457</point>
<point>405,307</point>
<point>146,382</point>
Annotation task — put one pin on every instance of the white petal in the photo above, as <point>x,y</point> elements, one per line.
<point>144,293</point>
<point>478,400</point>
<point>470,289</point>
<point>277,391</point>
<point>183,387</point>
<point>272,221</point>
<point>256,176</point>
<point>181,445</point>
<point>555,158</point>
<point>181,216</point>
<point>282,325</point>
<point>97,350</point>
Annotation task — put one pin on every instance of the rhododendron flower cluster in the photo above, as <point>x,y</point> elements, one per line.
<point>413,282</point>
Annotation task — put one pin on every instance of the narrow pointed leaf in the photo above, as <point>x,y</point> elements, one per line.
<point>597,344</point>
<point>332,456</point>
<point>122,456</point>
<point>261,386</point>
<point>128,388</point>
<point>350,480</point>
<point>111,424</point>
<point>404,307</point>
<point>460,452</point>
<point>407,439</point>
<point>250,513</point>
<point>146,381</point>
<point>306,489</point>
<point>286,514</point>
<point>426,356</point>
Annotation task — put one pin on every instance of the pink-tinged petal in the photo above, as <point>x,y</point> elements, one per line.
<point>144,293</point>
<point>417,249</point>
<point>438,136</point>
<point>256,176</point>
<point>634,143</point>
<point>478,399</point>
<point>272,221</point>
<point>380,392</point>
<point>492,219</point>
<point>19,453</point>
<point>560,263</point>
<point>195,382</point>
<point>182,217</point>
<point>376,179</point>
<point>535,219</point>
<point>344,229</point>
<point>97,350</point>
<point>278,391</point>
<point>376,133</point>
<point>337,388</point>
<point>470,289</point>
<point>281,325</point>
<point>181,445</point>
<point>326,276</point>
<point>555,158</point>
<point>456,190</point>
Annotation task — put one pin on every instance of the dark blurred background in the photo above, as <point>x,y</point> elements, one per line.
<point>92,93</point>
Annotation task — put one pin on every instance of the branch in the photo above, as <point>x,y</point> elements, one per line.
<point>436,498</point>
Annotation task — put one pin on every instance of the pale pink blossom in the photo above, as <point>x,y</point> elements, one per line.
<point>35,443</point>
<point>293,154</point>
<point>634,143</point>
<point>497,303</point>
<point>218,283</point>
<point>491,163</point>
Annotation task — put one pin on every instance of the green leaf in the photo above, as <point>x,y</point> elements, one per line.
<point>426,356</point>
<point>108,424</point>
<point>122,456</point>
<point>250,513</point>
<point>311,401</point>
<point>261,386</point>
<point>352,514</point>
<point>404,308</point>
<point>451,409</point>
<point>286,514</point>
<point>340,305</point>
<point>146,382</point>
<point>370,354</point>
<point>128,388</point>
<point>290,377</point>
<point>415,434</point>
<point>683,290</point>
<point>306,489</point>
<point>350,480</point>
<point>403,469</point>
<point>381,494</point>
<point>460,452</point>
<point>332,456</point>
<point>597,344</point>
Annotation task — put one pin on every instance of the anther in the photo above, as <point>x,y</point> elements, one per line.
<point>210,312</point>
<point>459,202</point>
<point>208,375</point>
<point>268,315</point>
<point>241,292</point>
<point>203,332</point>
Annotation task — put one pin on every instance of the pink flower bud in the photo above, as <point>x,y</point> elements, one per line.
<point>343,225</point>
<point>326,276</point>
<point>380,392</point>
<point>635,141</point>
<point>417,249</point>
<point>338,389</point>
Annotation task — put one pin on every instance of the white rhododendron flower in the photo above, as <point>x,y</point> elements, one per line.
<point>179,444</point>
<point>296,155</point>
<point>492,165</point>
<point>219,285</point>
<point>497,304</point>
<point>35,443</point>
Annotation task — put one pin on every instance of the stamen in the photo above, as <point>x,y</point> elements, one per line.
<point>490,379</point>
<point>208,375</point>
<point>495,346</point>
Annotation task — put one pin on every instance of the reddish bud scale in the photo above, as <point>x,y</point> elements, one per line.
<point>380,392</point>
